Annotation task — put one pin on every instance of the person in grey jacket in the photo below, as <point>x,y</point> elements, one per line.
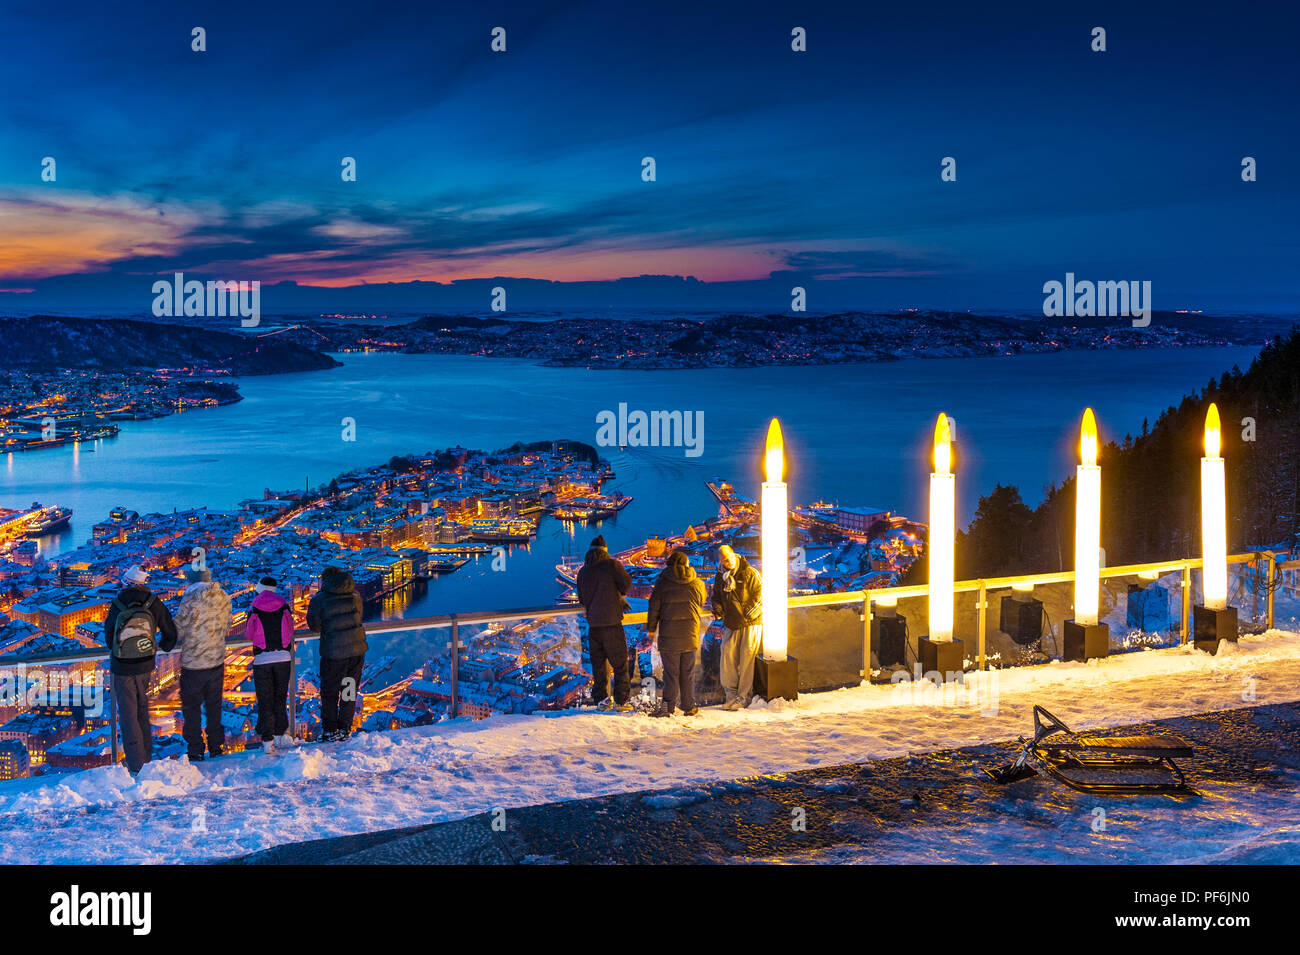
<point>335,613</point>
<point>203,623</point>
<point>675,609</point>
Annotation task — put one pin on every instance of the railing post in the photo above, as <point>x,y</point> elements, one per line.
<point>455,667</point>
<point>1187,601</point>
<point>112,710</point>
<point>866,636</point>
<point>1255,572</point>
<point>982,610</point>
<point>293,691</point>
<point>1268,584</point>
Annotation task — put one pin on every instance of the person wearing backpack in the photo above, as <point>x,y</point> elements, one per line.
<point>137,626</point>
<point>203,622</point>
<point>270,630</point>
<point>335,613</point>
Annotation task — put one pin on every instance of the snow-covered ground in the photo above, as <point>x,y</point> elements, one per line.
<point>176,811</point>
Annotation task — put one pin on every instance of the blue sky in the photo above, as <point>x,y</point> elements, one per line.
<point>773,167</point>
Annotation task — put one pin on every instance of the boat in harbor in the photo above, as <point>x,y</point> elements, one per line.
<point>46,520</point>
<point>501,530</point>
<point>595,508</point>
<point>460,550</point>
<point>445,564</point>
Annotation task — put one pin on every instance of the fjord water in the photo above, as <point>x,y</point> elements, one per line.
<point>856,434</point>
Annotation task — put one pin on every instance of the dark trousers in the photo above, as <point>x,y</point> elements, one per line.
<point>679,679</point>
<point>132,694</point>
<point>337,702</point>
<point>201,696</point>
<point>608,645</point>
<point>271,683</point>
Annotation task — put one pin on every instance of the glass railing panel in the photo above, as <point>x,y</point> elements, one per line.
<point>1248,587</point>
<point>55,718</point>
<point>827,642</point>
<point>1286,594</point>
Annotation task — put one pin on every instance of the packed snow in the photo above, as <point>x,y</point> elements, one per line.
<point>178,811</point>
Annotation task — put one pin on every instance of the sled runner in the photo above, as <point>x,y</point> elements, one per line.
<point>1114,765</point>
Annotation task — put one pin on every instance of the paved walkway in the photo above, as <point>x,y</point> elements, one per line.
<point>918,808</point>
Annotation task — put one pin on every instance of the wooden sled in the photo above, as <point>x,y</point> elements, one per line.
<point>1107,765</point>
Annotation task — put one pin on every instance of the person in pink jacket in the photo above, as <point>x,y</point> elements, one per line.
<point>270,630</point>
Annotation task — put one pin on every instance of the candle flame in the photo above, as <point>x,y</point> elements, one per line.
<point>1212,432</point>
<point>942,445</point>
<point>775,452</point>
<point>1088,439</point>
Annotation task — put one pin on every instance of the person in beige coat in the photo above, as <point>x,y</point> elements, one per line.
<point>203,623</point>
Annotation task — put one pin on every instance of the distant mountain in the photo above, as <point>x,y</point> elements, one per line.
<point>738,340</point>
<point>1016,291</point>
<point>45,343</point>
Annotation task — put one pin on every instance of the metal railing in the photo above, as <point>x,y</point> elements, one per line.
<point>982,587</point>
<point>865,597</point>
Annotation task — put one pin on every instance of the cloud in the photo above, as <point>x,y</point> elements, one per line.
<point>862,263</point>
<point>52,232</point>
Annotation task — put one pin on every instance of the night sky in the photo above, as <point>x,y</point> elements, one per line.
<point>774,168</point>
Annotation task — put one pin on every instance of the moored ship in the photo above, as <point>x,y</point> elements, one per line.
<point>501,530</point>
<point>47,520</point>
<point>591,508</point>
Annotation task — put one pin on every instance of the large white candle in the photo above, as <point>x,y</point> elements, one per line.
<point>1087,526</point>
<point>1214,517</point>
<point>943,532</point>
<point>776,550</point>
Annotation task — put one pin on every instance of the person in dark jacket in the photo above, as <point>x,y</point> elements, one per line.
<point>675,607</point>
<point>270,630</point>
<point>603,583</point>
<point>335,613</point>
<point>738,602</point>
<point>144,620</point>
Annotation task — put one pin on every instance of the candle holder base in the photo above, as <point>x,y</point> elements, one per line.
<point>941,656</point>
<point>1085,641</point>
<point>1211,626</point>
<point>776,679</point>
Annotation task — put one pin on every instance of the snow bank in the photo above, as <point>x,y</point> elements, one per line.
<point>177,811</point>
